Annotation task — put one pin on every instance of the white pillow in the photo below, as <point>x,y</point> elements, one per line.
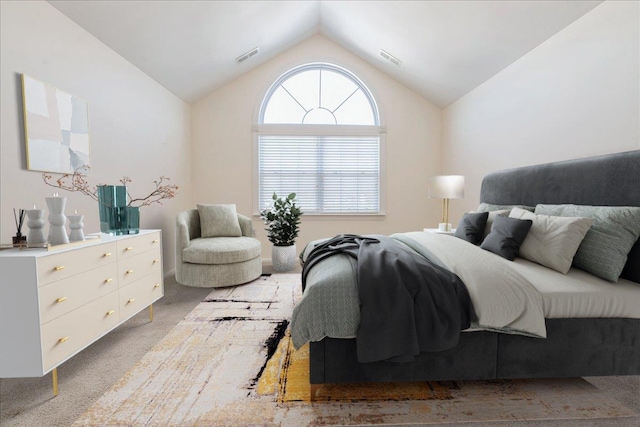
<point>553,240</point>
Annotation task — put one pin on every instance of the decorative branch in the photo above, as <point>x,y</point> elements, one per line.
<point>76,182</point>
<point>161,192</point>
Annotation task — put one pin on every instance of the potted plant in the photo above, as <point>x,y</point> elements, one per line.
<point>282,220</point>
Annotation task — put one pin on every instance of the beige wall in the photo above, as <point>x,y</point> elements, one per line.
<point>138,128</point>
<point>223,145</point>
<point>576,95</point>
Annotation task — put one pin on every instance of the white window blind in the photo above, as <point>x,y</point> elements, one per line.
<point>329,174</point>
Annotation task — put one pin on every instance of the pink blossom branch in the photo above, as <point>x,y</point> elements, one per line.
<point>161,192</point>
<point>77,183</point>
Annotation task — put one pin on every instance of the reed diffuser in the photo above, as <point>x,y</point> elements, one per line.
<point>19,239</point>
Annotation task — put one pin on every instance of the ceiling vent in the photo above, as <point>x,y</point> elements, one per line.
<point>247,55</point>
<point>386,55</point>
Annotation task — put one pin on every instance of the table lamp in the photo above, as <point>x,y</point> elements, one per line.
<point>446,187</point>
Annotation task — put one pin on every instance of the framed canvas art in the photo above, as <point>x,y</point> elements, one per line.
<point>56,128</point>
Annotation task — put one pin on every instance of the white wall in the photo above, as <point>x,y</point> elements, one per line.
<point>576,95</point>
<point>223,145</point>
<point>137,127</point>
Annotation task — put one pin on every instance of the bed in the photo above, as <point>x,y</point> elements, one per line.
<point>582,345</point>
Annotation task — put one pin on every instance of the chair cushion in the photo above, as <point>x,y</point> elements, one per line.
<point>219,221</point>
<point>221,250</point>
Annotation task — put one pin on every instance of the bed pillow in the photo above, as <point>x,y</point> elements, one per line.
<point>607,244</point>
<point>632,268</point>
<point>488,207</point>
<point>491,218</point>
<point>507,234</point>
<point>471,227</point>
<point>219,221</point>
<point>552,240</point>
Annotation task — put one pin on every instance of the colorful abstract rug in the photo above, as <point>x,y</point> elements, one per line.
<point>287,377</point>
<point>222,366</point>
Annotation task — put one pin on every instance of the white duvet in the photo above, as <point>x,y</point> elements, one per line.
<point>504,299</point>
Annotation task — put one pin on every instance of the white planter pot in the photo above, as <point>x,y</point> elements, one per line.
<point>283,258</point>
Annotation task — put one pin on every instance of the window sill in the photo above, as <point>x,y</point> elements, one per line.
<point>338,217</point>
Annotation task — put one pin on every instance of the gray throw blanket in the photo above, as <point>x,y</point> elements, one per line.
<point>408,304</point>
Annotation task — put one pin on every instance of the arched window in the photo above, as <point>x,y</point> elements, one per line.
<point>319,137</point>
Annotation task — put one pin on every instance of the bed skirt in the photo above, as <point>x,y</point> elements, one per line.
<point>573,348</point>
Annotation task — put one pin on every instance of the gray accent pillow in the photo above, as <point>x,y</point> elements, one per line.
<point>552,240</point>
<point>471,227</point>
<point>491,218</point>
<point>219,221</point>
<point>632,269</point>
<point>488,207</point>
<point>507,234</point>
<point>605,248</point>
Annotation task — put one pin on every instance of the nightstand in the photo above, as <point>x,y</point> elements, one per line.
<point>437,231</point>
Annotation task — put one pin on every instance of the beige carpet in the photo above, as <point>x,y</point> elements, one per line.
<point>205,371</point>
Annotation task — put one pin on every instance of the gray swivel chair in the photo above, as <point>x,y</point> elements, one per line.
<point>215,261</point>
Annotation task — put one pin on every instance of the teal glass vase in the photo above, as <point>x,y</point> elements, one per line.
<point>131,220</point>
<point>116,217</point>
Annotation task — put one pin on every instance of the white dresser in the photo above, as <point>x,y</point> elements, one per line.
<point>55,303</point>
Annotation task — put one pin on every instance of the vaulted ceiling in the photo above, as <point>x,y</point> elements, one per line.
<point>447,48</point>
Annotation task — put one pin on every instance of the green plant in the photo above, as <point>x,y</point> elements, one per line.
<point>282,220</point>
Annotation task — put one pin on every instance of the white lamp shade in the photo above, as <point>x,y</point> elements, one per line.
<point>446,187</point>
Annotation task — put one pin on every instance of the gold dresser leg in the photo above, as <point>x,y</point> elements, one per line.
<point>54,376</point>
<point>313,388</point>
<point>150,312</point>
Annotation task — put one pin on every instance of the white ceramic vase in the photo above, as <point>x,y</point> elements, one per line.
<point>76,225</point>
<point>283,258</point>
<point>57,220</point>
<point>36,227</point>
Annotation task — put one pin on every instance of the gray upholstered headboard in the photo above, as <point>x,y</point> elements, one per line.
<point>609,180</point>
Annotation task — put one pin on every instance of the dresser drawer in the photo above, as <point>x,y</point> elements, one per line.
<point>140,294</point>
<point>133,246</point>
<point>134,268</point>
<point>64,336</point>
<point>52,268</point>
<point>65,295</point>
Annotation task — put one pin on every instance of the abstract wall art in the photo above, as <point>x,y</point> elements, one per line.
<point>56,128</point>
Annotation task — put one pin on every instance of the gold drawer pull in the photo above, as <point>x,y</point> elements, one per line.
<point>129,271</point>
<point>108,280</point>
<point>157,285</point>
<point>61,299</point>
<point>128,248</point>
<point>110,312</point>
<point>61,340</point>
<point>131,300</point>
<point>106,254</point>
<point>155,261</point>
<point>58,268</point>
<point>155,241</point>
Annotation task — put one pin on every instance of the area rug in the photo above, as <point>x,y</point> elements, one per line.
<point>208,369</point>
<point>287,376</point>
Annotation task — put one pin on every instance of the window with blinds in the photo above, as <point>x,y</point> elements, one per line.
<point>329,174</point>
<point>310,141</point>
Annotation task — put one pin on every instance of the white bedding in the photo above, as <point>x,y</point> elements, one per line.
<point>579,294</point>
<point>504,299</point>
